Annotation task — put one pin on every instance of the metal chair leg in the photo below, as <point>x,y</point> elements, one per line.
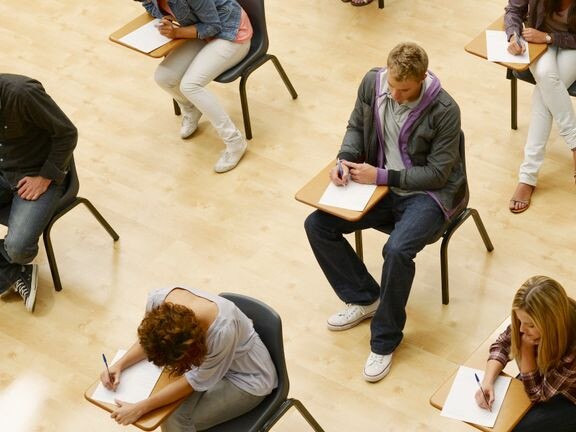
<point>284,77</point>
<point>381,4</point>
<point>286,405</point>
<point>359,249</point>
<point>245,110</point>
<point>176,107</point>
<point>513,102</point>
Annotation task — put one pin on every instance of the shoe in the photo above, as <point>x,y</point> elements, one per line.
<point>27,284</point>
<point>360,2</point>
<point>230,158</point>
<point>520,201</point>
<point>351,316</point>
<point>377,367</point>
<point>189,122</point>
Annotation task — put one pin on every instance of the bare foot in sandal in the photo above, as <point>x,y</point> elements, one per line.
<point>520,201</point>
<point>360,2</point>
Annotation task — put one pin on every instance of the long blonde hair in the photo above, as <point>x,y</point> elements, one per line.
<point>554,315</point>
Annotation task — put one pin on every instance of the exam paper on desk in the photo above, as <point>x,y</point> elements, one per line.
<point>461,403</point>
<point>136,382</point>
<point>146,38</point>
<point>497,49</point>
<point>353,196</point>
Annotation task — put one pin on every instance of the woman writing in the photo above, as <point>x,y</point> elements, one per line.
<point>225,369</point>
<point>219,34</point>
<point>552,22</point>
<point>542,340</point>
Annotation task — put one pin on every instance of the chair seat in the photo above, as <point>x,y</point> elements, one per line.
<point>527,76</point>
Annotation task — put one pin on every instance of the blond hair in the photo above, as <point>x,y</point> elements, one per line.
<point>407,60</point>
<point>554,315</point>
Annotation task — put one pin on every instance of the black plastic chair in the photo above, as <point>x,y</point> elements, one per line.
<point>256,57</point>
<point>449,229</point>
<point>268,325</point>
<point>527,76</point>
<point>69,200</point>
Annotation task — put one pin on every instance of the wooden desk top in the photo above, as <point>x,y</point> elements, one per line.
<point>516,402</point>
<point>139,22</point>
<point>312,191</point>
<point>154,418</point>
<point>478,47</point>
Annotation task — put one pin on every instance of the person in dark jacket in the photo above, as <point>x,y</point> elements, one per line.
<point>36,144</point>
<point>404,132</point>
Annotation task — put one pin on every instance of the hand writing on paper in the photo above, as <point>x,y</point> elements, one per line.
<point>31,188</point>
<point>487,396</point>
<point>168,27</point>
<point>126,413</point>
<point>111,381</point>
<point>342,178</point>
<point>361,173</point>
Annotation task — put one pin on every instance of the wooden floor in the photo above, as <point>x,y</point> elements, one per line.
<point>181,224</point>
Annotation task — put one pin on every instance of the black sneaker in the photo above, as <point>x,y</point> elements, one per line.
<point>27,285</point>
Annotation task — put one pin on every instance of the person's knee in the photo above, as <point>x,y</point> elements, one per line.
<point>165,77</point>
<point>20,252</point>
<point>190,87</point>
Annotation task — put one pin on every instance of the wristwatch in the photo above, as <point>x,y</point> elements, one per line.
<point>548,39</point>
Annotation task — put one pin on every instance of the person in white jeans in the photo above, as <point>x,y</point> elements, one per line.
<point>186,71</point>
<point>218,34</point>
<point>554,72</point>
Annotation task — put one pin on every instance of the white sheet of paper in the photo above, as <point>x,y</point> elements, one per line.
<point>353,196</point>
<point>461,404</point>
<point>136,382</point>
<point>146,38</point>
<point>497,49</point>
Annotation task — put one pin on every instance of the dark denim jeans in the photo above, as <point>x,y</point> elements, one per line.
<point>25,220</point>
<point>418,219</point>
<point>557,414</point>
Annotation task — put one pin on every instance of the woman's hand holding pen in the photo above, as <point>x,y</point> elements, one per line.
<point>168,27</point>
<point>111,378</point>
<point>486,394</point>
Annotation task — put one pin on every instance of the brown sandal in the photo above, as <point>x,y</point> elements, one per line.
<point>517,204</point>
<point>360,2</point>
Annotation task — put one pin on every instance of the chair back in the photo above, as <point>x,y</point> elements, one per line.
<point>258,44</point>
<point>268,325</point>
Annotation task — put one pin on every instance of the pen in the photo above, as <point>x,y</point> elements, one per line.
<point>340,169</point>
<point>107,369</point>
<point>483,394</point>
<point>174,23</point>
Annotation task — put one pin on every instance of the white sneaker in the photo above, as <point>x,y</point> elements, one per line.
<point>189,122</point>
<point>351,316</point>
<point>230,158</point>
<point>377,367</point>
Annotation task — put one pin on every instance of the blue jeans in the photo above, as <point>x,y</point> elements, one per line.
<point>25,221</point>
<point>557,414</point>
<point>417,220</point>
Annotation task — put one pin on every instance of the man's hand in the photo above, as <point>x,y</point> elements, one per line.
<point>340,180</point>
<point>361,173</point>
<point>31,188</point>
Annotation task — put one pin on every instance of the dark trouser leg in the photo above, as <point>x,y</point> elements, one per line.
<point>345,272</point>
<point>419,219</point>
<point>26,222</point>
<point>557,414</point>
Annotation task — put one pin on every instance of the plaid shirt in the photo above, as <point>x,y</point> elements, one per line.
<point>560,380</point>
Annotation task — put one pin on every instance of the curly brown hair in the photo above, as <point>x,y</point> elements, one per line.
<point>172,336</point>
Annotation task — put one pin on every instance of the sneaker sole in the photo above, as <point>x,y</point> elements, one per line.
<point>349,325</point>
<point>31,300</point>
<point>376,378</point>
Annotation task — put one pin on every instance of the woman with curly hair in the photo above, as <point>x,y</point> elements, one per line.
<point>542,340</point>
<point>225,370</point>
